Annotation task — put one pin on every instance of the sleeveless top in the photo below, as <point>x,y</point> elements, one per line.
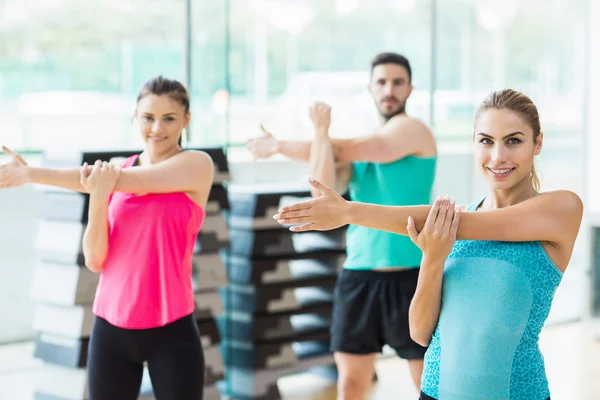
<point>407,181</point>
<point>496,297</point>
<point>146,280</point>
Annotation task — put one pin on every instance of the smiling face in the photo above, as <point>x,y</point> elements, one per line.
<point>161,120</point>
<point>505,147</point>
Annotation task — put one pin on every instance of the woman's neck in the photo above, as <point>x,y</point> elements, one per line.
<point>150,158</point>
<point>505,198</point>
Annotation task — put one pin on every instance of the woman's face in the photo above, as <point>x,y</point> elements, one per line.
<point>161,120</point>
<point>505,148</point>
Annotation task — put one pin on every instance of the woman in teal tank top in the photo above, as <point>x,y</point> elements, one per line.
<point>489,270</point>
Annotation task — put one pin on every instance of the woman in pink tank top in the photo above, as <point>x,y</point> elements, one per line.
<point>143,222</point>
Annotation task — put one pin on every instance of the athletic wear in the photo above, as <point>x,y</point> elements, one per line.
<point>146,281</point>
<point>423,396</point>
<point>495,299</point>
<point>370,309</point>
<point>404,182</point>
<point>173,353</point>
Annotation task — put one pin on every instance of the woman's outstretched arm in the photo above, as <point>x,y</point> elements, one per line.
<point>553,217</point>
<point>185,172</point>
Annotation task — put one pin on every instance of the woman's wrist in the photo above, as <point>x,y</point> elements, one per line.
<point>99,198</point>
<point>349,211</point>
<point>432,260</point>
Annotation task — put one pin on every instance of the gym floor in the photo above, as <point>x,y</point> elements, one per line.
<point>572,361</point>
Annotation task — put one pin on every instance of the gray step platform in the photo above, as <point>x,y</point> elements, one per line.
<point>266,354</point>
<point>242,270</point>
<point>244,384</point>
<point>280,325</point>
<point>68,321</point>
<point>208,304</point>
<point>63,284</point>
<point>213,236</point>
<point>284,296</point>
<point>58,350</point>
<point>60,242</point>
<point>281,243</point>
<point>209,272</point>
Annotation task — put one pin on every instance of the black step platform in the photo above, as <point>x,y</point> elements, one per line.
<point>283,325</point>
<point>284,296</point>
<point>253,206</point>
<point>284,243</point>
<point>258,271</point>
<point>266,354</point>
<point>213,236</point>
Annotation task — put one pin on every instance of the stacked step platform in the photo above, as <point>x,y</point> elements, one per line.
<point>64,288</point>
<point>279,299</point>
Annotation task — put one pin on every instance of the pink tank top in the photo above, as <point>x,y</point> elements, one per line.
<point>146,280</point>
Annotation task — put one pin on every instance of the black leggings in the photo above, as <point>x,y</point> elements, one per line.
<point>174,354</point>
<point>423,396</point>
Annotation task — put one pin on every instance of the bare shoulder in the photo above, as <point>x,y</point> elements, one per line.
<point>562,201</point>
<point>198,159</point>
<point>199,164</point>
<point>417,131</point>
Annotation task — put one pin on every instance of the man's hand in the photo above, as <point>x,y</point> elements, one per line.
<point>320,115</point>
<point>263,146</point>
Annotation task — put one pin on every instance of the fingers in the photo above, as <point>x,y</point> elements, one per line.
<point>442,215</point>
<point>21,160</point>
<point>7,151</point>
<point>304,205</point>
<point>433,214</point>
<point>412,230</point>
<point>304,228</point>
<point>319,186</point>
<point>83,173</point>
<point>296,221</point>
<point>264,130</point>
<point>455,220</point>
<point>450,206</point>
<point>291,214</point>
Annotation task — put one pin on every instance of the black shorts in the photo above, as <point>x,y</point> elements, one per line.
<point>370,309</point>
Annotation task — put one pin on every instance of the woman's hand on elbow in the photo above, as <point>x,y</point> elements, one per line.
<point>101,179</point>
<point>438,235</point>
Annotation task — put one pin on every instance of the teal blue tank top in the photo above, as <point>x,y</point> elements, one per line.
<point>404,182</point>
<point>496,297</point>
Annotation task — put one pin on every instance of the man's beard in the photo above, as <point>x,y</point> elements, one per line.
<point>391,114</point>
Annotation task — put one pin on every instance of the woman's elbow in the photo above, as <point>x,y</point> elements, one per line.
<point>94,264</point>
<point>420,339</point>
<point>419,335</point>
